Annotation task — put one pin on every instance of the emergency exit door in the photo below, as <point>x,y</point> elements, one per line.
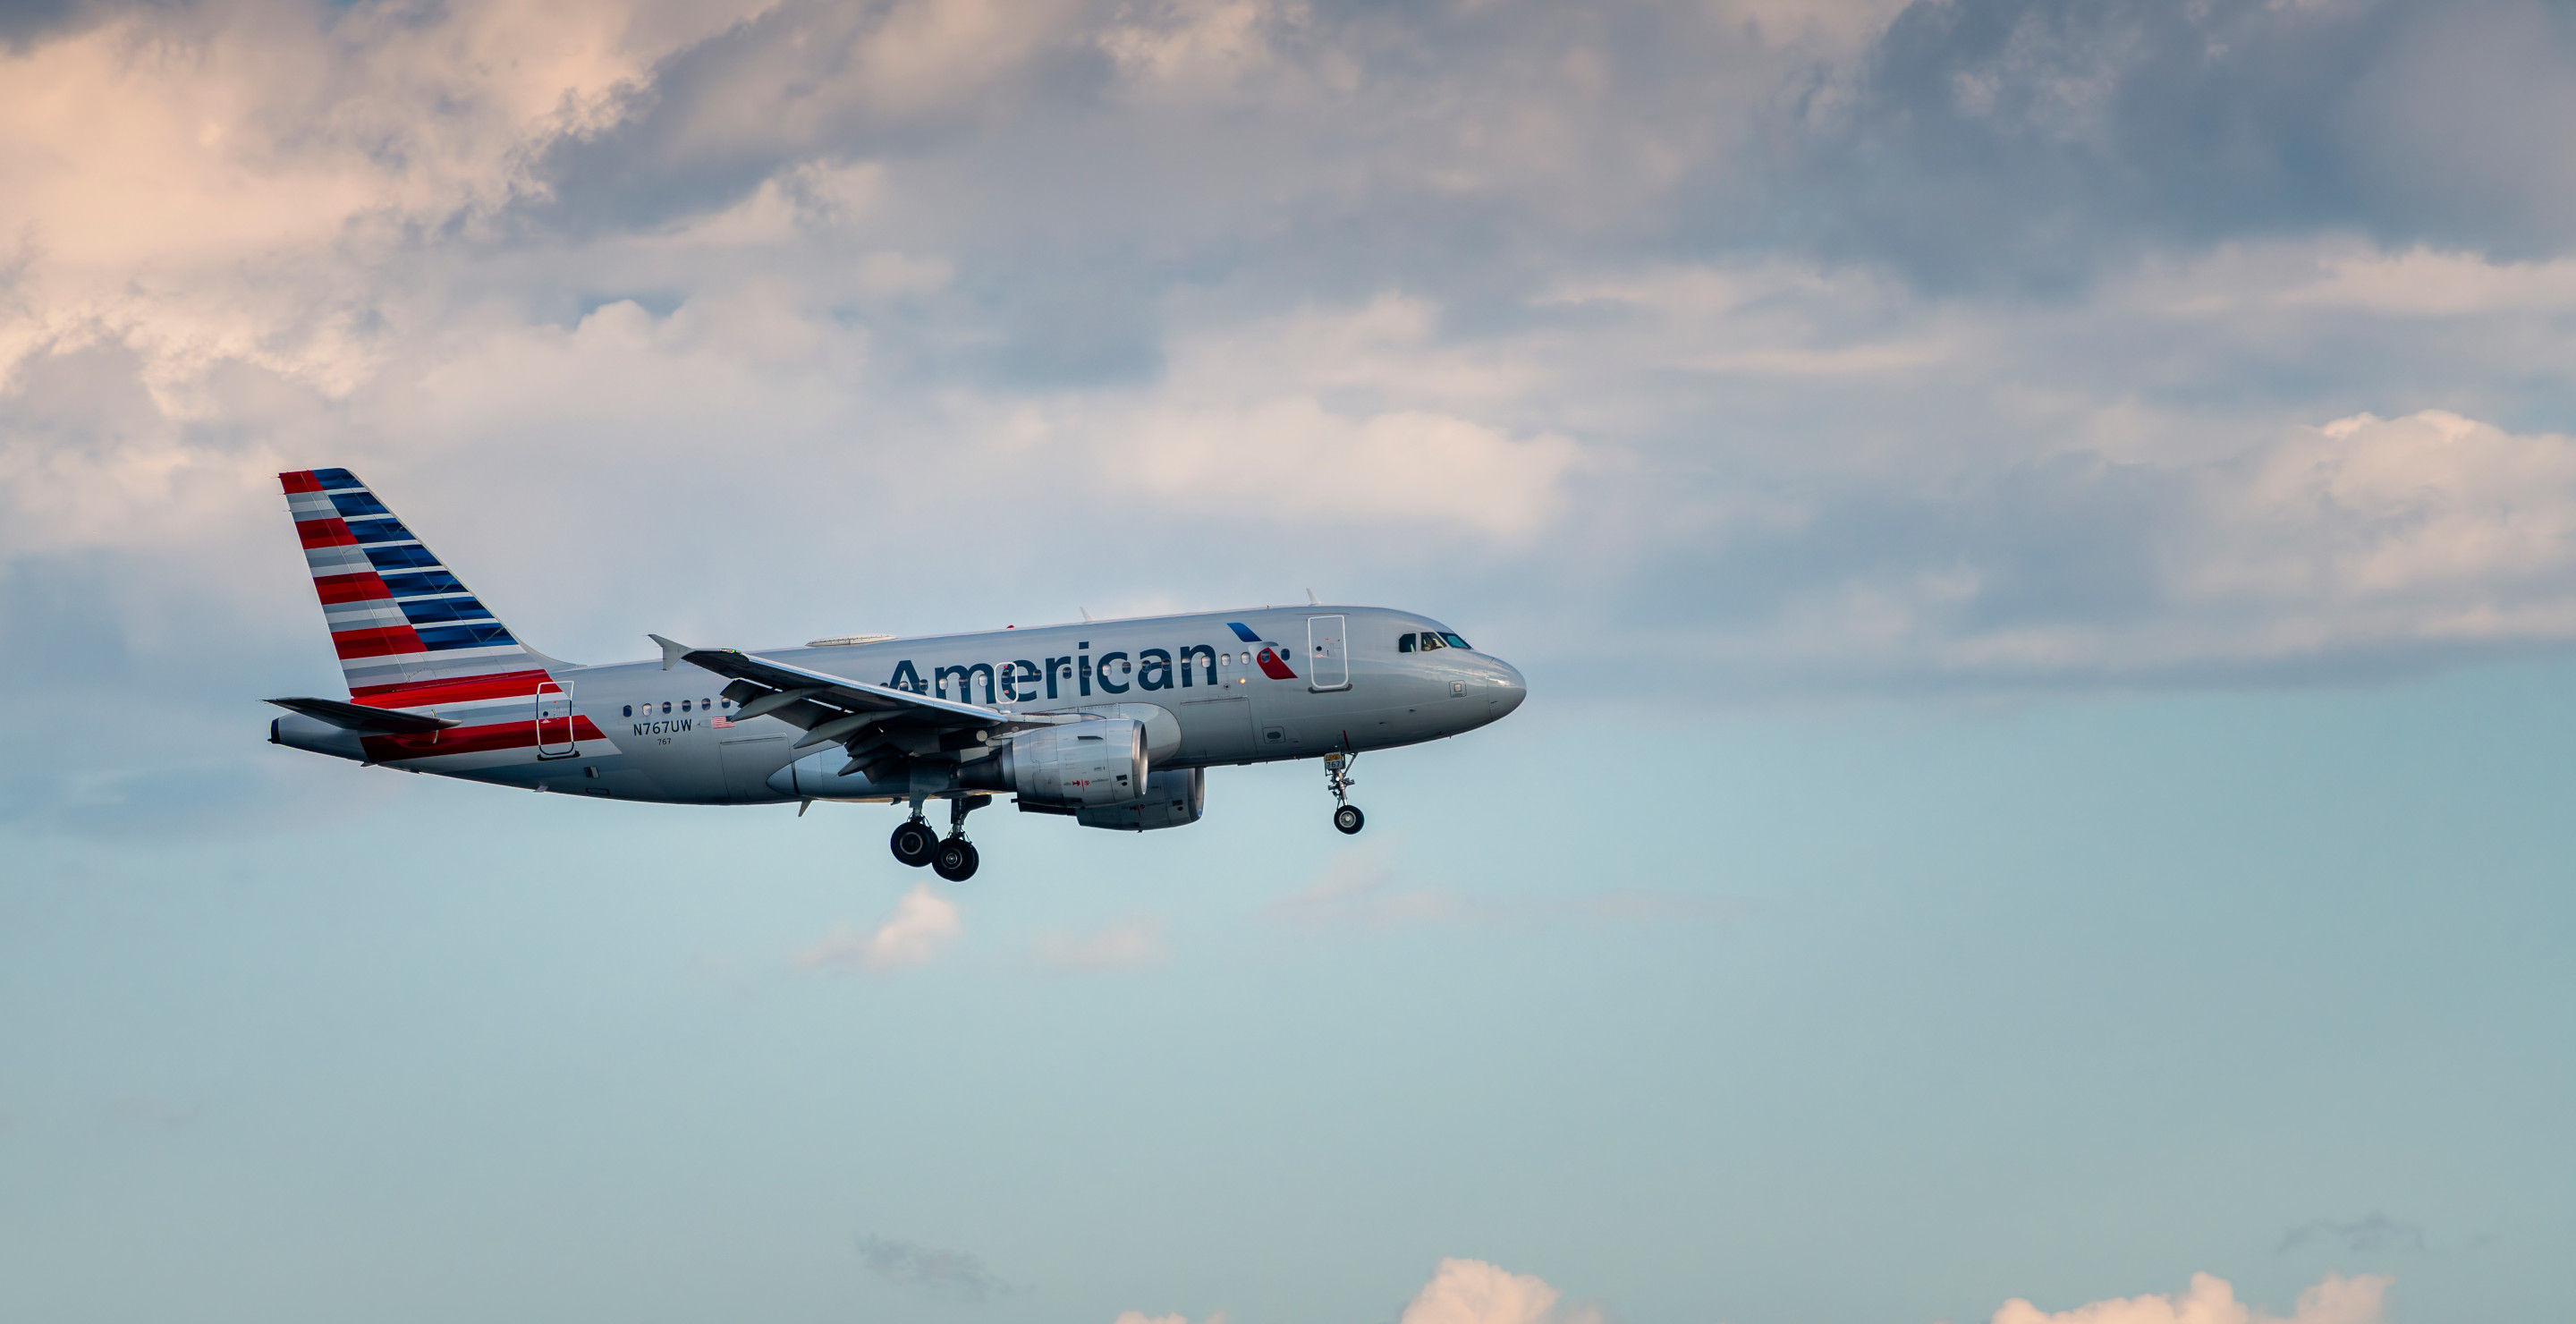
<point>554,722</point>
<point>1328,660</point>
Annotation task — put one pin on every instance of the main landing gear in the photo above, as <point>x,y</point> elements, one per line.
<point>1337,776</point>
<point>913,842</point>
<point>952,857</point>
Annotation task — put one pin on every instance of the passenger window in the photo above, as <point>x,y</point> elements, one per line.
<point>666,705</point>
<point>1404,643</point>
<point>684,705</point>
<point>706,705</point>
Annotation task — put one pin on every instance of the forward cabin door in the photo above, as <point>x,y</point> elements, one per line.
<point>1328,658</point>
<point>554,721</point>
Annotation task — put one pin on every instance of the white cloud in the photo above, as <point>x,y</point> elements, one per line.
<point>2336,1300</point>
<point>1801,473</point>
<point>1333,417</point>
<point>923,925</point>
<point>1474,1292</point>
<point>1356,891</point>
<point>1135,943</point>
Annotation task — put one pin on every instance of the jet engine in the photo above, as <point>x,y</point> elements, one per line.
<point>1174,797</point>
<point>1070,768</point>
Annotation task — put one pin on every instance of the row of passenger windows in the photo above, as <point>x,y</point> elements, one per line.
<point>1403,645</point>
<point>703,705</point>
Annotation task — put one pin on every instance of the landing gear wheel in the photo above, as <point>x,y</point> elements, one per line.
<point>914,842</point>
<point>955,860</point>
<point>1349,818</point>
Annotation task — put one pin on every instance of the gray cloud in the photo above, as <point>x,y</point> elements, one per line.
<point>1682,332</point>
<point>950,1273</point>
<point>2034,141</point>
<point>2373,1234</point>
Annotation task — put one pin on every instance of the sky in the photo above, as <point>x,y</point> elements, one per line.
<point>2042,534</point>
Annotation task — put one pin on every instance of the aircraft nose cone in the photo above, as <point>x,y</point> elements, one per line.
<point>1513,687</point>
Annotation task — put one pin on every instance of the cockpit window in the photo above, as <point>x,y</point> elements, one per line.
<point>1404,644</point>
<point>1431,641</point>
<point>1454,641</point>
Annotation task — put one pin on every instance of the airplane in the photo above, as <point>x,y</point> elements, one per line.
<point>1113,723</point>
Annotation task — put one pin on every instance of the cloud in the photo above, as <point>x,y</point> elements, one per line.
<point>949,1273</point>
<point>1474,1292</point>
<point>1135,943</point>
<point>1468,308</point>
<point>923,925</point>
<point>1356,891</point>
<point>2372,1234</point>
<point>2336,1300</point>
<point>2038,141</point>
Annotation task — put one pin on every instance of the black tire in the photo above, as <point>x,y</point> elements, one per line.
<point>955,860</point>
<point>1349,818</point>
<point>913,842</point>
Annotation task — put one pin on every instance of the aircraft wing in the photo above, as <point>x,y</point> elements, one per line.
<point>872,722</point>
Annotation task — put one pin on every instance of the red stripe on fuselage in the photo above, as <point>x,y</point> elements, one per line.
<point>302,480</point>
<point>521,734</point>
<point>460,689</point>
<point>1275,669</point>
<point>360,587</point>
<point>378,641</point>
<point>332,532</point>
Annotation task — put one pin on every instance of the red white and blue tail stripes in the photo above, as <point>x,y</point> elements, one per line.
<point>410,635</point>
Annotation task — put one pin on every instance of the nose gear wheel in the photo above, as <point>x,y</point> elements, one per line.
<point>1337,778</point>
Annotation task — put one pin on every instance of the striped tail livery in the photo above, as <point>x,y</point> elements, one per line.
<point>431,672</point>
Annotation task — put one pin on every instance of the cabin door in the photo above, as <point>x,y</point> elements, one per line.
<point>1328,661</point>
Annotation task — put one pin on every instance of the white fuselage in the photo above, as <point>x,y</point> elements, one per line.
<point>1337,680</point>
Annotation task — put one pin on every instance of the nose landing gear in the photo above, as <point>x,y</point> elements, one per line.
<point>1337,776</point>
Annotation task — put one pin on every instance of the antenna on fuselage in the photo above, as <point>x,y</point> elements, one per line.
<point>1086,612</point>
<point>1312,600</point>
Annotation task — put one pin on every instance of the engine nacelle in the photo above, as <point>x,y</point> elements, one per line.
<point>1076,766</point>
<point>1174,797</point>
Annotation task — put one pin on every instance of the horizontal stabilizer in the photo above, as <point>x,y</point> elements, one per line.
<point>359,717</point>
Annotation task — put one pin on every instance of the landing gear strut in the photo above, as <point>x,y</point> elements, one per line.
<point>1337,775</point>
<point>955,858</point>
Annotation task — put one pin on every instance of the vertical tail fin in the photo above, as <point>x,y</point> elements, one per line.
<point>408,631</point>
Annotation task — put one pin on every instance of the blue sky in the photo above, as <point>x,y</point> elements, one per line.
<point>2043,536</point>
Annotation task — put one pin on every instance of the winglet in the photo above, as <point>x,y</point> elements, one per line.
<point>671,652</point>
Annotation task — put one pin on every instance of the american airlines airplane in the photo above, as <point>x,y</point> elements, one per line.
<point>1113,724</point>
